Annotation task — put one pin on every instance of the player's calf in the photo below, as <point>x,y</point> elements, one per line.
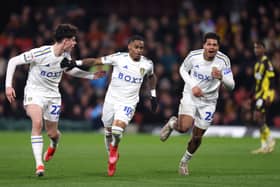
<point>108,138</point>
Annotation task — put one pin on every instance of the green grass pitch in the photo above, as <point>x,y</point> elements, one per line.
<point>81,160</point>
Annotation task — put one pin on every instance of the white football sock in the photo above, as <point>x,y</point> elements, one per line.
<point>107,139</point>
<point>186,157</point>
<point>117,135</point>
<point>37,147</point>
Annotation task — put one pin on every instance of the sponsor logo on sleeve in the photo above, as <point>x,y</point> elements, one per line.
<point>227,71</point>
<point>28,56</point>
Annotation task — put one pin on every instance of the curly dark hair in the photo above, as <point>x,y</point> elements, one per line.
<point>211,35</point>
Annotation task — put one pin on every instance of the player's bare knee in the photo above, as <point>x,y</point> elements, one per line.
<point>37,122</point>
<point>37,125</point>
<point>182,129</point>
<point>183,124</point>
<point>53,133</point>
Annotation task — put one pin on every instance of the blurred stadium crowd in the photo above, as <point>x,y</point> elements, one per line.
<point>169,38</point>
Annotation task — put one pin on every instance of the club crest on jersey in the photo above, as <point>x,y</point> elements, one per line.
<point>142,71</point>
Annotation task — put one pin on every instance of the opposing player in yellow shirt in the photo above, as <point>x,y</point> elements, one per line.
<point>264,95</point>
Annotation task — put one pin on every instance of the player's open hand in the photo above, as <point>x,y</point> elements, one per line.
<point>10,94</point>
<point>197,92</point>
<point>99,74</point>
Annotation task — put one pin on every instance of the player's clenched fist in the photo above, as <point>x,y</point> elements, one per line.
<point>216,73</point>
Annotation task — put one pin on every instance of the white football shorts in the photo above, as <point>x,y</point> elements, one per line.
<point>202,111</point>
<point>51,106</point>
<point>113,112</point>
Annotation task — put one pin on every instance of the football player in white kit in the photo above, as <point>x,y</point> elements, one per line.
<point>129,71</point>
<point>203,71</point>
<point>41,94</point>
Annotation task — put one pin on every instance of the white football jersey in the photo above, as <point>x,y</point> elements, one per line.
<point>200,72</point>
<point>127,77</point>
<point>44,72</point>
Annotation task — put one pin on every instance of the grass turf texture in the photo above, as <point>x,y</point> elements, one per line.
<point>81,160</point>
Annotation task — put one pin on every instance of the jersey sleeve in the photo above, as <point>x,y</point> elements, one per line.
<point>270,74</point>
<point>111,59</point>
<point>269,69</point>
<point>28,57</point>
<point>36,55</point>
<point>150,70</point>
<point>227,76</point>
<point>77,72</point>
<point>227,67</point>
<point>11,67</point>
<point>184,71</point>
<point>187,65</point>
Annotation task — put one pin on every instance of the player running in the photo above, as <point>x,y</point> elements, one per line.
<point>264,95</point>
<point>41,94</point>
<point>203,71</point>
<point>129,71</point>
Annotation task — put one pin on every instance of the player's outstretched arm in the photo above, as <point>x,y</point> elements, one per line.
<point>70,64</point>
<point>76,72</point>
<point>91,61</point>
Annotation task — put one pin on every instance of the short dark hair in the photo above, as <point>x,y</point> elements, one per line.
<point>135,37</point>
<point>211,35</point>
<point>65,31</point>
